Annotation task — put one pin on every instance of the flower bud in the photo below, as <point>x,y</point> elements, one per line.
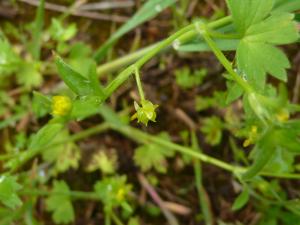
<point>145,112</point>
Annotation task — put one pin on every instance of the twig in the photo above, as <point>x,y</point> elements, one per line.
<point>87,14</point>
<point>185,118</point>
<point>156,198</point>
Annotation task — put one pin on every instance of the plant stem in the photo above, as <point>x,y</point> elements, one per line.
<point>144,138</point>
<point>116,219</point>
<point>202,29</point>
<point>72,194</point>
<point>33,152</point>
<point>139,84</point>
<point>190,30</point>
<point>107,217</point>
<point>37,31</point>
<point>123,61</point>
<point>203,200</point>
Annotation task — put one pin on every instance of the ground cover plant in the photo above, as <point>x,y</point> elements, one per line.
<point>170,112</point>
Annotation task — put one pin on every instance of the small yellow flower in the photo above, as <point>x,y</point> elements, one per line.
<point>283,116</point>
<point>61,105</point>
<point>252,136</point>
<point>120,194</point>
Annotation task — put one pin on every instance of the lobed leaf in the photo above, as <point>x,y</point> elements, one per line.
<point>248,12</point>
<point>59,203</point>
<point>8,192</point>
<point>264,151</point>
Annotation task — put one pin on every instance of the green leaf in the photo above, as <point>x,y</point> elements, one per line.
<point>248,12</point>
<point>8,192</point>
<point>37,29</point>
<point>281,161</point>
<point>241,200</point>
<point>110,116</point>
<point>59,203</point>
<point>186,79</point>
<point>287,5</point>
<point>256,55</point>
<point>45,135</point>
<point>41,104</point>
<point>261,29</point>
<point>64,154</point>
<point>60,33</point>
<point>254,62</point>
<point>41,139</point>
<point>92,75</point>
<point>29,75</point>
<point>103,161</point>
<point>234,92</point>
<point>9,60</point>
<point>212,128</point>
<point>263,151</point>
<point>153,156</point>
<point>278,29</point>
<point>86,106</point>
<point>134,221</point>
<point>293,206</point>
<point>149,10</point>
<point>75,81</point>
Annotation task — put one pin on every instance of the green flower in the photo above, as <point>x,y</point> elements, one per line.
<point>145,112</point>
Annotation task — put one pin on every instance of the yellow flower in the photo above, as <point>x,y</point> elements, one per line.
<point>120,194</point>
<point>283,116</point>
<point>251,138</point>
<point>61,105</point>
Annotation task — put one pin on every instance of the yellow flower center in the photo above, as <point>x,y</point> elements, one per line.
<point>251,138</point>
<point>61,105</point>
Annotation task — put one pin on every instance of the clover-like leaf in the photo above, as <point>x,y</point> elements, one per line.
<point>153,156</point>
<point>8,192</point>
<point>59,203</point>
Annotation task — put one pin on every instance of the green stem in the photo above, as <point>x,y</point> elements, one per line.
<point>139,84</point>
<point>72,194</point>
<point>202,29</point>
<point>115,218</point>
<point>76,137</point>
<point>107,216</point>
<point>203,201</point>
<point>144,138</point>
<point>178,36</point>
<point>113,66</point>
<point>37,31</point>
